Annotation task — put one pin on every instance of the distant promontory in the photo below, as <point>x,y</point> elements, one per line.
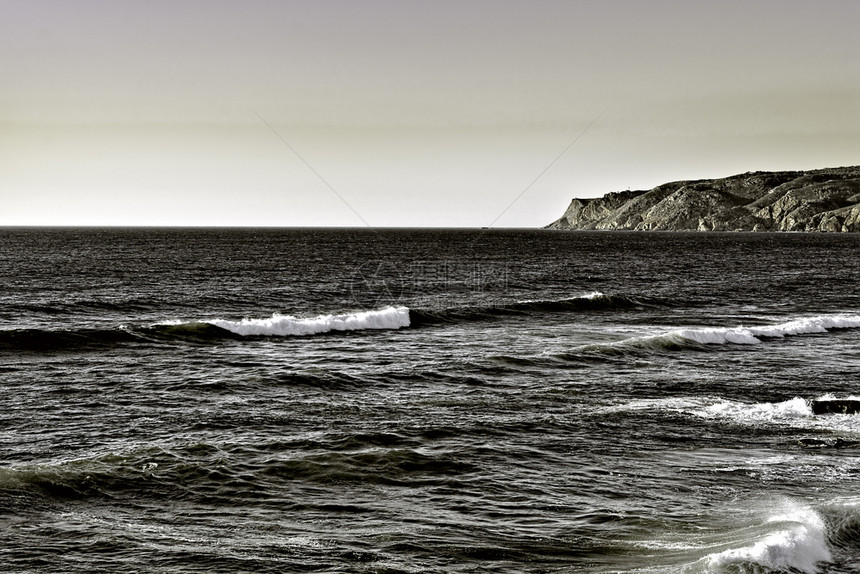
<point>819,200</point>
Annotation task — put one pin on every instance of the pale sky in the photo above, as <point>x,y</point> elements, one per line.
<point>406,113</point>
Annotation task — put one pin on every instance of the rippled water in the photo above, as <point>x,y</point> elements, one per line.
<point>438,400</point>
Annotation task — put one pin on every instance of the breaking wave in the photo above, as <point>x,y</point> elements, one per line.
<point>279,325</point>
<point>700,338</point>
<point>715,408</point>
<point>286,325</point>
<point>754,335</point>
<point>840,429</point>
<point>772,535</point>
<point>399,317</point>
<point>793,539</point>
<point>201,332</point>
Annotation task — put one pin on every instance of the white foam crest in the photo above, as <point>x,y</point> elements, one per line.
<point>753,335</point>
<point>766,412</point>
<point>796,412</point>
<point>731,335</point>
<point>716,408</point>
<point>286,325</point>
<point>807,325</point>
<point>797,542</point>
<point>592,295</point>
<point>718,336</point>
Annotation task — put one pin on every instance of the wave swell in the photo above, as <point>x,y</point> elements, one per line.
<point>595,301</point>
<point>199,332</point>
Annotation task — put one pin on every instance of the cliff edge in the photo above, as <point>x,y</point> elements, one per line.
<point>818,200</point>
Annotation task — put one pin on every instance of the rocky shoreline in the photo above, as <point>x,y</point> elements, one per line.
<point>826,200</point>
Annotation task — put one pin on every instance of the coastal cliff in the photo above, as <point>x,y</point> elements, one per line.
<point>819,200</point>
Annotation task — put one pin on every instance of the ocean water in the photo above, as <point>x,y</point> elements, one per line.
<point>358,400</point>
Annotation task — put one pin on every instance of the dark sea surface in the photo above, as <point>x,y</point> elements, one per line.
<point>333,400</point>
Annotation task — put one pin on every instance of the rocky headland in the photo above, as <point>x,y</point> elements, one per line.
<point>819,200</point>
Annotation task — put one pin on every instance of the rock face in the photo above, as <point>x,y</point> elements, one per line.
<point>820,200</point>
<point>837,406</point>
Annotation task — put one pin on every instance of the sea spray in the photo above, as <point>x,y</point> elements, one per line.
<point>796,541</point>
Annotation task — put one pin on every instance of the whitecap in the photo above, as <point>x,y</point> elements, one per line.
<point>753,335</point>
<point>287,325</point>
